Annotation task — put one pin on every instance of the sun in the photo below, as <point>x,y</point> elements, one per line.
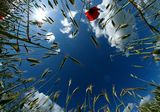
<point>40,15</point>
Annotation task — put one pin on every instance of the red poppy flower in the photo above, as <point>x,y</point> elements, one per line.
<point>1,17</point>
<point>92,13</point>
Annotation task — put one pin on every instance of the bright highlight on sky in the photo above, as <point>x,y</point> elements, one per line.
<point>40,14</point>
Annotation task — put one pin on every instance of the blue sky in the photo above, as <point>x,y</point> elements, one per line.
<point>97,68</point>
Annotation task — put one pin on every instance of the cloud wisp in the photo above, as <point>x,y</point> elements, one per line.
<point>50,37</point>
<point>67,24</point>
<point>145,100</point>
<point>40,102</point>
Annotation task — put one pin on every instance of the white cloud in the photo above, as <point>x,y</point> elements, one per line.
<point>132,107</point>
<point>58,50</point>
<point>129,107</point>
<point>66,30</point>
<point>114,36</point>
<point>145,100</point>
<point>70,36</point>
<point>40,102</point>
<point>72,14</point>
<point>67,24</point>
<point>50,37</point>
<point>1,64</point>
<point>98,31</point>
